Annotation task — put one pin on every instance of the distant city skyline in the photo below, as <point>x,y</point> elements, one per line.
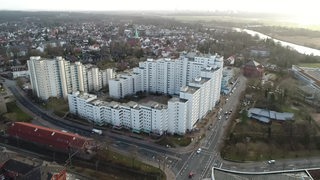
<point>306,11</point>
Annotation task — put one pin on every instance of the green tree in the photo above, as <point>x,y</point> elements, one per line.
<point>244,116</point>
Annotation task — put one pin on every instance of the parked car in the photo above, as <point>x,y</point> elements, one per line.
<point>199,150</point>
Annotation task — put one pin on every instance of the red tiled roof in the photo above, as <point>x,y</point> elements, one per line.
<point>46,136</point>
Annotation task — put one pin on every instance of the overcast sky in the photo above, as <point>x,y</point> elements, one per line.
<point>249,5</point>
<point>307,9</point>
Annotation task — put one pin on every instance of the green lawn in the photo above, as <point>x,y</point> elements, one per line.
<point>16,114</point>
<point>174,141</point>
<point>128,161</point>
<point>310,65</point>
<point>59,106</point>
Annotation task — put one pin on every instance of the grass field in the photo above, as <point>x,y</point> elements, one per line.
<point>16,114</point>
<point>268,21</point>
<point>174,141</point>
<point>129,162</point>
<point>301,40</point>
<point>252,141</point>
<point>245,20</point>
<point>311,65</point>
<point>59,106</point>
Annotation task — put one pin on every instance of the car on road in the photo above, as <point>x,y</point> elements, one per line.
<point>199,151</point>
<point>219,118</point>
<point>271,161</point>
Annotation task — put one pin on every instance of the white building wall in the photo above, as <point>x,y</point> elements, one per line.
<point>72,101</point>
<point>116,117</point>
<point>152,76</point>
<point>136,119</point>
<point>203,99</point>
<point>107,111</point>
<point>17,74</point>
<point>115,88</point>
<point>98,114</point>
<point>78,103</point>
<point>171,76</point>
<point>183,112</point>
<point>56,77</point>
<point>147,119</point>
<point>194,70</point>
<point>159,120</point>
<point>193,106</point>
<point>126,117</point>
<point>178,116</point>
<point>137,82</point>
<point>107,74</point>
<point>94,79</point>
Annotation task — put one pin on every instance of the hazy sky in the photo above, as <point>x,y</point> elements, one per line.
<point>250,5</point>
<point>306,9</point>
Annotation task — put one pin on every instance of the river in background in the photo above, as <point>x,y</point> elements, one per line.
<point>299,48</point>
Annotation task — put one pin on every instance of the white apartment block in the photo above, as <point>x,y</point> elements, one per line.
<point>192,95</point>
<point>194,82</point>
<point>48,77</point>
<point>167,76</point>
<point>124,84</point>
<point>58,77</point>
<point>94,78</point>
<point>177,115</point>
<point>150,118</point>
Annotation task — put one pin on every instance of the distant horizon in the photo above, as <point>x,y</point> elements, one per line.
<point>264,6</point>
<point>152,11</point>
<point>304,12</point>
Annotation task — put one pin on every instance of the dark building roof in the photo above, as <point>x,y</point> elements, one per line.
<point>253,69</point>
<point>18,167</point>
<point>253,63</point>
<point>29,170</point>
<point>55,139</point>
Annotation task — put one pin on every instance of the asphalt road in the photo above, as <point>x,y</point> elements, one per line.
<point>181,163</point>
<point>200,164</point>
<point>150,151</point>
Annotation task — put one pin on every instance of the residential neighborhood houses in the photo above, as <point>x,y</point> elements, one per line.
<point>157,88</point>
<point>94,41</point>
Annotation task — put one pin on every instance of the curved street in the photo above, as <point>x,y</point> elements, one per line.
<point>179,162</point>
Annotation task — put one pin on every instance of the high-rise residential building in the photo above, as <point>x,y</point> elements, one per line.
<point>49,77</point>
<point>167,76</point>
<point>193,82</point>
<point>78,77</point>
<point>57,77</point>
<point>94,78</point>
<point>177,115</point>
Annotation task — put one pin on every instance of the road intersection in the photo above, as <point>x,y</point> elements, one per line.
<point>178,162</point>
